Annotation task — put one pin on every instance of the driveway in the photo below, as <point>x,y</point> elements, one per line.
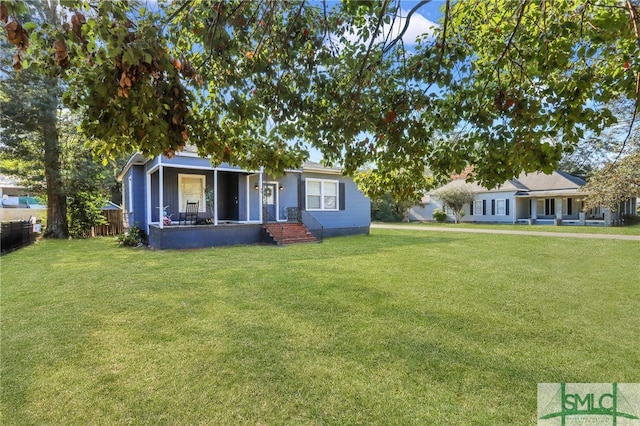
<point>504,231</point>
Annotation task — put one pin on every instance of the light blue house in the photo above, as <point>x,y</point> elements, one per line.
<point>554,198</point>
<point>237,206</point>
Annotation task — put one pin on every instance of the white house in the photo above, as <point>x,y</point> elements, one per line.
<point>555,198</point>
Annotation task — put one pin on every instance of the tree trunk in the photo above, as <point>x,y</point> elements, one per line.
<point>56,199</point>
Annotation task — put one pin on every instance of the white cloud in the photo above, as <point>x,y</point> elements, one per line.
<point>418,25</point>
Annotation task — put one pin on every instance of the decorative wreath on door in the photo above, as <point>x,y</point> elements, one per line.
<point>267,192</point>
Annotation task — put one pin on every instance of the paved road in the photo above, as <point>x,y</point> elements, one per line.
<point>505,231</point>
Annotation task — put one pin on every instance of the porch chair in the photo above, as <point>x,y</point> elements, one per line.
<point>190,213</point>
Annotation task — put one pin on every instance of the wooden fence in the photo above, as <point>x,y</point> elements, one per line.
<point>114,225</point>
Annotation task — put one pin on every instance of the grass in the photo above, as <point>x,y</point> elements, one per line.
<point>614,230</point>
<point>392,328</point>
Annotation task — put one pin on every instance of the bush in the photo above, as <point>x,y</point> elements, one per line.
<point>631,220</point>
<point>84,211</point>
<point>439,215</point>
<point>386,210</point>
<point>132,237</point>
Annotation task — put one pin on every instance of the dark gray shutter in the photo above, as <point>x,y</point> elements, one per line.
<point>569,207</point>
<point>506,206</point>
<point>303,194</point>
<point>484,207</point>
<point>471,208</point>
<point>493,207</point>
<point>341,201</point>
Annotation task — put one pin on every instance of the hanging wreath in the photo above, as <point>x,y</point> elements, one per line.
<point>267,192</point>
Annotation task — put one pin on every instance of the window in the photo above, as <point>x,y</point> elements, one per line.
<point>191,188</point>
<point>322,194</point>
<point>501,209</point>
<point>547,207</point>
<point>477,207</point>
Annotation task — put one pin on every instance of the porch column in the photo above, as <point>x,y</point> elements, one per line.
<point>559,208</point>
<point>148,205</point>
<point>260,194</point>
<point>215,197</point>
<point>534,208</point>
<point>160,196</point>
<point>582,218</point>
<point>608,219</point>
<point>248,203</point>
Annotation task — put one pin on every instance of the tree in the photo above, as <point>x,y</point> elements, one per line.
<point>258,83</point>
<point>392,196</point>
<point>82,181</point>
<point>30,133</point>
<point>455,198</point>
<point>594,151</point>
<point>31,105</point>
<point>614,183</point>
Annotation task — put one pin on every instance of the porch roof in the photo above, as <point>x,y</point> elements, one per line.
<point>551,193</point>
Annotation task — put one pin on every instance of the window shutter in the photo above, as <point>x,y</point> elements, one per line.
<point>471,208</point>
<point>569,207</point>
<point>493,207</point>
<point>484,207</point>
<point>506,206</point>
<point>303,194</point>
<point>341,200</point>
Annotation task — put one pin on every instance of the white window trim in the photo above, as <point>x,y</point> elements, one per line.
<point>202,206</point>
<point>504,207</point>
<point>477,207</point>
<point>322,183</point>
<point>130,194</point>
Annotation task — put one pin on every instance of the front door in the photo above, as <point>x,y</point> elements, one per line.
<point>270,201</point>
<point>228,196</point>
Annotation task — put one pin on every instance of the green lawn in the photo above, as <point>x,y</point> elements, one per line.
<point>615,230</point>
<point>392,328</point>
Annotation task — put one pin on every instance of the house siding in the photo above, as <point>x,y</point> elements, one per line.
<point>491,211</point>
<point>356,216</point>
<point>135,212</point>
<point>170,195</point>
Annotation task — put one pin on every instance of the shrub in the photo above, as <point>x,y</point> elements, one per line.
<point>84,211</point>
<point>439,215</point>
<point>132,237</point>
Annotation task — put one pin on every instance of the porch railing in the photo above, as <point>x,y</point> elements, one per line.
<point>312,224</point>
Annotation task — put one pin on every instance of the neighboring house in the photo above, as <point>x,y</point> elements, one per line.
<point>237,206</point>
<point>15,205</point>
<point>555,198</point>
<point>13,195</point>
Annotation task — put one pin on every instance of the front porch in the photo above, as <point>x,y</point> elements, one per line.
<point>224,196</point>
<point>200,236</point>
<point>564,210</point>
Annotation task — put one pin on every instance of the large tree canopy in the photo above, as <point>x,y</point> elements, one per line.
<point>258,84</point>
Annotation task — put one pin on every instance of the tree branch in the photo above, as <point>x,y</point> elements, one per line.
<point>634,20</point>
<point>513,33</point>
<point>406,26</point>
